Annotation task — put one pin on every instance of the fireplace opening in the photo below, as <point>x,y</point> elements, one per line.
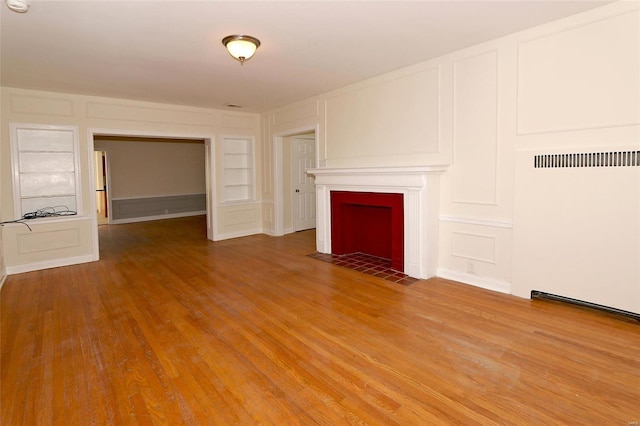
<point>370,223</point>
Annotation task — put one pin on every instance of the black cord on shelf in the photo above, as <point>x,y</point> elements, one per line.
<point>50,212</point>
<point>16,221</point>
<point>56,211</point>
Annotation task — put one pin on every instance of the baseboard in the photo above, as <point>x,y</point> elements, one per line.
<point>47,264</point>
<point>475,280</point>
<point>239,234</point>
<point>2,280</point>
<point>269,232</point>
<point>535,294</point>
<point>158,217</point>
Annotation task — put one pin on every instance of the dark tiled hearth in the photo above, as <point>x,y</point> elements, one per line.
<point>372,265</point>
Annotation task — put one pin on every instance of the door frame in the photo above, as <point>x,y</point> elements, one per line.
<point>210,178</point>
<point>278,175</point>
<point>107,183</point>
<point>293,166</point>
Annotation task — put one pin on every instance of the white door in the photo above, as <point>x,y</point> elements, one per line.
<point>303,156</point>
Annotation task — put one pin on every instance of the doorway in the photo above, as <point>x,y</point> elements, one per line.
<point>97,135</point>
<point>102,203</point>
<point>303,157</point>
<point>298,153</point>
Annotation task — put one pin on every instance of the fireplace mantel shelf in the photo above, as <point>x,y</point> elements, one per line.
<point>409,170</point>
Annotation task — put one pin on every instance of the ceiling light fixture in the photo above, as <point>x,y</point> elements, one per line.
<point>241,47</point>
<point>20,6</point>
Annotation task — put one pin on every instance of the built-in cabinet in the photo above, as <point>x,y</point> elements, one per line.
<point>46,177</point>
<point>238,169</point>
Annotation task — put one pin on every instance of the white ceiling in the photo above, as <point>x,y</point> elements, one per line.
<point>171,51</point>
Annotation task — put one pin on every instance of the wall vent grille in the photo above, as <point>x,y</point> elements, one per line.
<point>587,159</point>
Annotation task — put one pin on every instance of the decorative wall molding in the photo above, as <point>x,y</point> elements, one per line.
<point>239,121</point>
<point>474,221</point>
<point>600,98</point>
<point>476,90</point>
<point>56,239</point>
<point>412,99</point>
<point>239,216</point>
<point>476,247</point>
<point>297,113</point>
<point>25,104</point>
<point>136,113</point>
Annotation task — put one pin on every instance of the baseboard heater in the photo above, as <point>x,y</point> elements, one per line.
<point>535,294</point>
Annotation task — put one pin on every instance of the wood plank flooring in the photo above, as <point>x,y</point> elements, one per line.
<point>169,328</point>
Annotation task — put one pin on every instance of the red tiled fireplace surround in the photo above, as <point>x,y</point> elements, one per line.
<point>416,188</point>
<point>370,223</point>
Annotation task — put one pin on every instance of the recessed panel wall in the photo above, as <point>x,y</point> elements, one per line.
<point>583,77</point>
<point>396,120</point>
<point>475,128</point>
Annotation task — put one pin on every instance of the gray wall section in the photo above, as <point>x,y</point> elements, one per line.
<point>157,206</point>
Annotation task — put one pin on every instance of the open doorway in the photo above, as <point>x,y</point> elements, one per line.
<point>102,204</point>
<point>171,191</point>
<point>298,189</point>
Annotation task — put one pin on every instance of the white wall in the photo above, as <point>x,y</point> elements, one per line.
<point>74,240</point>
<point>578,229</point>
<point>568,86</point>
<point>151,169</point>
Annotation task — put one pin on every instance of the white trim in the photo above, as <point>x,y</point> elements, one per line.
<point>401,172</point>
<point>47,264</point>
<point>474,280</point>
<point>2,280</point>
<point>158,217</point>
<point>472,221</point>
<point>278,179</point>
<point>92,198</point>
<point>47,220</point>
<point>239,234</point>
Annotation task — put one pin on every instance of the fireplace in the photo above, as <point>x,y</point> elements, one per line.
<point>419,192</point>
<point>370,223</point>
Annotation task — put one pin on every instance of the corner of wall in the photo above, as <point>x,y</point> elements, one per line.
<point>3,268</point>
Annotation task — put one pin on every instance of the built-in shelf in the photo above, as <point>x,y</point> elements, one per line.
<point>238,169</point>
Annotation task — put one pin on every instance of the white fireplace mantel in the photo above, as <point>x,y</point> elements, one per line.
<point>420,187</point>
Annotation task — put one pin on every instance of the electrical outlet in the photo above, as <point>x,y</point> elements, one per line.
<point>471,268</point>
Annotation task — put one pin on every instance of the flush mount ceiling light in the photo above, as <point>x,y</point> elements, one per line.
<point>20,6</point>
<point>241,47</point>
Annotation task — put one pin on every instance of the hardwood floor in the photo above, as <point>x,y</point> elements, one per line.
<point>169,328</point>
